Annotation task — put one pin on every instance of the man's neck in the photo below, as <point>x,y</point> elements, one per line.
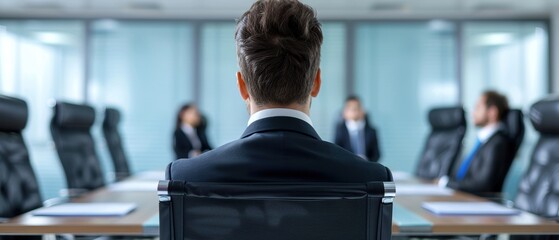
<point>487,131</point>
<point>305,108</point>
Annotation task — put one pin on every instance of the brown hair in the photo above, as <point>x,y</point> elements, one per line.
<point>278,49</point>
<point>493,98</point>
<point>183,109</point>
<point>352,98</point>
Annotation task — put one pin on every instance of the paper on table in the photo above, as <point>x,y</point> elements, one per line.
<point>87,209</point>
<point>401,176</point>
<point>422,189</point>
<point>134,186</point>
<point>468,208</point>
<point>150,175</point>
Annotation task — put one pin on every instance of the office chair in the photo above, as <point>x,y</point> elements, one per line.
<point>114,143</point>
<point>443,144</point>
<point>538,191</point>
<point>19,190</point>
<point>514,123</point>
<point>70,129</point>
<point>295,211</point>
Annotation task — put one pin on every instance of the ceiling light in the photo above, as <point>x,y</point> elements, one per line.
<point>54,38</point>
<point>493,39</point>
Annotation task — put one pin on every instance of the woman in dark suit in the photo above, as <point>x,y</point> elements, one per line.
<point>189,139</point>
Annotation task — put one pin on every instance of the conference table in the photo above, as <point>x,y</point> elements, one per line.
<point>409,217</point>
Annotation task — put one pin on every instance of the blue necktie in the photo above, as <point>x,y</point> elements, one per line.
<point>357,142</point>
<point>466,163</point>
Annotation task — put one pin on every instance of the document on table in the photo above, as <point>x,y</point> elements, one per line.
<point>134,186</point>
<point>422,189</point>
<point>86,210</point>
<point>150,175</point>
<point>468,208</point>
<point>401,176</point>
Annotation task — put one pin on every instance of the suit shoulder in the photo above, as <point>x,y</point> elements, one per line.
<point>377,170</point>
<point>500,137</point>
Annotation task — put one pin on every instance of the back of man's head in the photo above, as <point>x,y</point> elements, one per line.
<point>278,49</point>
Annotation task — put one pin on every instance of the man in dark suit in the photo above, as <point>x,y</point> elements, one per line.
<point>278,48</point>
<point>484,169</point>
<point>354,132</point>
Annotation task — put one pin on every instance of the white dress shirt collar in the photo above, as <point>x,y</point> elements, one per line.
<point>486,132</point>
<point>354,125</point>
<point>191,134</point>
<point>279,112</point>
<point>186,128</point>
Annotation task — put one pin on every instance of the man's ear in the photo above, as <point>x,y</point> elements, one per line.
<point>242,86</point>
<point>316,84</point>
<point>493,113</point>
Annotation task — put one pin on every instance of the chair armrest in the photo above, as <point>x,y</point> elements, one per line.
<point>497,197</point>
<point>72,192</point>
<point>503,201</point>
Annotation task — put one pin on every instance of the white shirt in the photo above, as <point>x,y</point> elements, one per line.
<point>487,132</point>
<point>354,126</point>
<point>279,112</point>
<point>192,136</point>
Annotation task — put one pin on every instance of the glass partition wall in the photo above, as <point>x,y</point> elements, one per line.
<point>148,68</point>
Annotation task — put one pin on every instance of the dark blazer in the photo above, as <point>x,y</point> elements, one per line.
<point>372,150</point>
<point>488,169</point>
<point>182,145</point>
<point>278,149</point>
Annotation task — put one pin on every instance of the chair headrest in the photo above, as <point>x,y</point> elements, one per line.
<point>68,115</point>
<point>13,114</point>
<point>447,117</point>
<point>514,121</point>
<point>112,118</point>
<point>544,115</point>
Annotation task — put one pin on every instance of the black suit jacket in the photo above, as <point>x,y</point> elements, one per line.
<point>488,169</point>
<point>182,145</point>
<point>372,150</point>
<point>278,149</point>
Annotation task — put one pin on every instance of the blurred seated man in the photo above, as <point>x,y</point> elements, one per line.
<point>278,48</point>
<point>485,167</point>
<point>355,133</point>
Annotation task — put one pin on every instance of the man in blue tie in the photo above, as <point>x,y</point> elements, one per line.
<point>484,168</point>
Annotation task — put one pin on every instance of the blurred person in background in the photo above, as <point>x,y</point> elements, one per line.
<point>189,139</point>
<point>485,167</point>
<point>355,134</point>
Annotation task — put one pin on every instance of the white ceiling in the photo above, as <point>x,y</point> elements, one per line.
<point>233,8</point>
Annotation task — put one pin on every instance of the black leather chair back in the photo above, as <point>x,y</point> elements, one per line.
<point>70,128</point>
<point>114,143</point>
<point>444,143</point>
<point>514,124</point>
<point>539,188</point>
<point>19,191</point>
<point>273,211</point>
